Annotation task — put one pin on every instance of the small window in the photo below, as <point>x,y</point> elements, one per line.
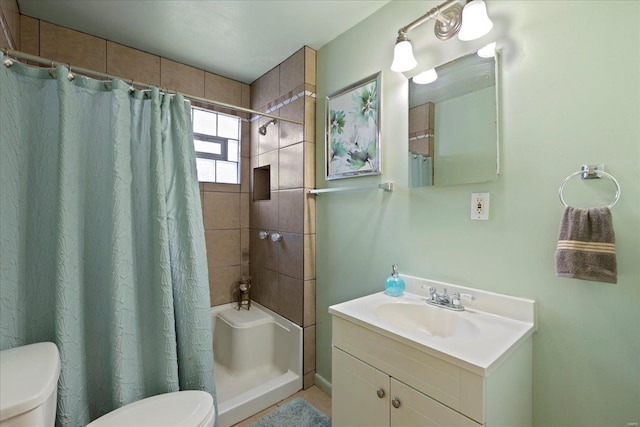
<point>216,139</point>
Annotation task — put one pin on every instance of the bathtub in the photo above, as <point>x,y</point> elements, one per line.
<point>257,360</point>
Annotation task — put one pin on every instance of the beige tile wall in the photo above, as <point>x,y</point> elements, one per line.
<point>72,47</point>
<point>133,64</point>
<point>9,24</point>
<point>225,207</point>
<point>227,237</point>
<point>284,272</point>
<point>29,35</point>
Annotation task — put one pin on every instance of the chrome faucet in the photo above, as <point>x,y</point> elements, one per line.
<point>433,295</point>
<point>444,298</point>
<point>445,301</point>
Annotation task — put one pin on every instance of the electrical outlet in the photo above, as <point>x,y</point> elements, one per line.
<point>480,206</point>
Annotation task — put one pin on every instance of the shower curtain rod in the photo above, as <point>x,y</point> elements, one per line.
<point>44,61</point>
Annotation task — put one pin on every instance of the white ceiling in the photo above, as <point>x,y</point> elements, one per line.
<point>240,39</point>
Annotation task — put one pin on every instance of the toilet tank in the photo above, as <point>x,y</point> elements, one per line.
<point>29,385</point>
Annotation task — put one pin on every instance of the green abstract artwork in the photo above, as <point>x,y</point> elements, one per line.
<point>353,130</point>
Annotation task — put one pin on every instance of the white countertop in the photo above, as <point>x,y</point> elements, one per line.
<point>493,324</point>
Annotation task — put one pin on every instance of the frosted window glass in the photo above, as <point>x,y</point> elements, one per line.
<point>206,170</point>
<point>204,122</point>
<point>207,147</point>
<point>232,151</point>
<point>228,126</point>
<point>227,172</point>
<point>220,154</point>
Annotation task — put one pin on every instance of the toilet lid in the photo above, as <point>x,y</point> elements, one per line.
<point>28,376</point>
<point>188,408</point>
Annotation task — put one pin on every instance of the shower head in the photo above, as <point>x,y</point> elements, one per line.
<point>262,130</point>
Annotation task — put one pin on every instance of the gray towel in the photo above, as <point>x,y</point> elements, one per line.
<point>586,245</point>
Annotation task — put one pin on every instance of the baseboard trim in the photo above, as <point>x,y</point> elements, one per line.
<point>322,384</point>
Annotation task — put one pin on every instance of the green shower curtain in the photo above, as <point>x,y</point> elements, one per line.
<point>101,238</point>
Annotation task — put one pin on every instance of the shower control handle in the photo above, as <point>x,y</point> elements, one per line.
<point>380,392</point>
<point>276,237</point>
<point>263,235</point>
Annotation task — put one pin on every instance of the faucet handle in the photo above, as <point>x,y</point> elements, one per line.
<point>455,301</point>
<point>433,293</point>
<point>432,290</point>
<point>457,296</point>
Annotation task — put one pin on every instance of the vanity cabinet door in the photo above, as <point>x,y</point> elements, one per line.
<point>411,408</point>
<point>360,393</point>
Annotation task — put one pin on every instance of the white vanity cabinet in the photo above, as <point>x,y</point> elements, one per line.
<point>365,396</point>
<point>389,376</point>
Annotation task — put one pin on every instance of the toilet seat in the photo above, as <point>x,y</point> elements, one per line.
<point>188,408</point>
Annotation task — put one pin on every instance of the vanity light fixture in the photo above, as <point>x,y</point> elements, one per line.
<point>426,77</point>
<point>476,22</point>
<point>403,59</point>
<point>470,23</point>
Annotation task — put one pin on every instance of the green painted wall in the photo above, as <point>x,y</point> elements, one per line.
<point>570,95</point>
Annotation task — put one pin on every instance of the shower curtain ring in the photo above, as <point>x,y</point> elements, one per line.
<point>131,88</point>
<point>70,75</point>
<point>53,72</point>
<point>8,62</point>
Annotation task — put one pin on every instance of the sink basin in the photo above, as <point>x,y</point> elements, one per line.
<point>476,339</point>
<point>427,319</point>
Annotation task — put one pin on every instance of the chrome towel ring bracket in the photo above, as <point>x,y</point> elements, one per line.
<point>590,172</point>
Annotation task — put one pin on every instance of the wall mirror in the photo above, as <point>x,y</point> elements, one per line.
<point>453,124</point>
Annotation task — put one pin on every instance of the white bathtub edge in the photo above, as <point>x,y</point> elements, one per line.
<point>245,405</point>
<point>238,409</point>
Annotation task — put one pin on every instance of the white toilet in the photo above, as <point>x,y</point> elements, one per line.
<point>28,393</point>
<point>29,385</point>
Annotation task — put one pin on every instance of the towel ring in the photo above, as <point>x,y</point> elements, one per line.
<point>586,172</point>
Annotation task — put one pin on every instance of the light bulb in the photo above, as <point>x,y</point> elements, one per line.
<point>426,77</point>
<point>403,59</point>
<point>475,21</point>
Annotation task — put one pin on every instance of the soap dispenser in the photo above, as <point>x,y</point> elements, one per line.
<point>394,285</point>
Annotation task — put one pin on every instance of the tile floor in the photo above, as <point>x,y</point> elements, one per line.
<point>313,395</point>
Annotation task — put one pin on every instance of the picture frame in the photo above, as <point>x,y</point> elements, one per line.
<point>352,130</point>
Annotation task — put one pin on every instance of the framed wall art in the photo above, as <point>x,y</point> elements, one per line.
<point>352,130</point>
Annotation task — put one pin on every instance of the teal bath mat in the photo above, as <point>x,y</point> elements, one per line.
<point>297,413</point>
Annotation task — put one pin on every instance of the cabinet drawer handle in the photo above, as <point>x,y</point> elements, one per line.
<point>395,402</point>
<point>380,392</point>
